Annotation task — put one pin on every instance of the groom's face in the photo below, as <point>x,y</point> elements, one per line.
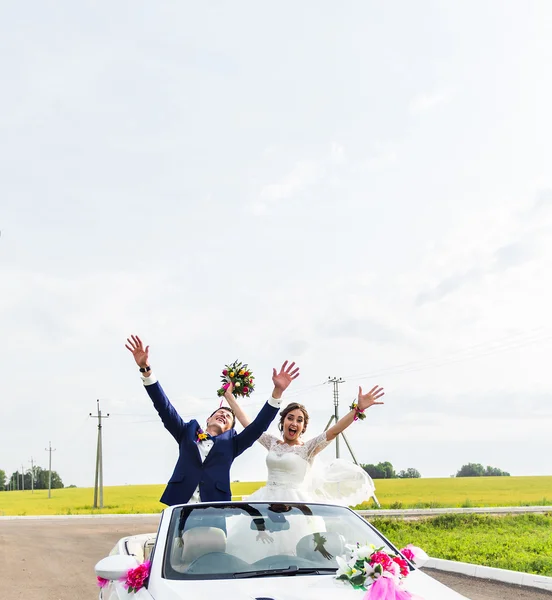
<point>221,419</point>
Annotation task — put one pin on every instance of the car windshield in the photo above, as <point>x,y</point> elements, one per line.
<point>211,541</point>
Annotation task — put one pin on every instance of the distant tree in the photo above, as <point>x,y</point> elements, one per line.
<point>494,472</point>
<point>383,470</point>
<point>471,470</point>
<point>39,479</point>
<point>19,482</point>
<point>2,480</point>
<point>478,470</point>
<point>42,480</point>
<point>388,470</point>
<point>410,473</point>
<point>373,471</point>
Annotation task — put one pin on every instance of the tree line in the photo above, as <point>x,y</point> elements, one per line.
<point>385,470</point>
<point>478,470</point>
<point>36,478</point>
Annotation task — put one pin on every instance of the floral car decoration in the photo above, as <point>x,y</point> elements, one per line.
<point>385,569</point>
<point>240,376</point>
<point>134,580</point>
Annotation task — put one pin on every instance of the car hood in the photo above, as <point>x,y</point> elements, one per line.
<point>299,587</point>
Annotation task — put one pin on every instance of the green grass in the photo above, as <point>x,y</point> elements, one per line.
<point>520,543</point>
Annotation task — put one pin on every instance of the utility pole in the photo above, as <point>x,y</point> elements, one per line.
<point>22,478</point>
<point>336,381</point>
<point>335,417</point>
<point>32,476</point>
<point>98,484</point>
<point>50,450</point>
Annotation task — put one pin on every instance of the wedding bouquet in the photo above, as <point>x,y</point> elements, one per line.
<point>386,569</point>
<point>240,376</point>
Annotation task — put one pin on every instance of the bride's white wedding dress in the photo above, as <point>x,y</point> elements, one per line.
<point>293,475</point>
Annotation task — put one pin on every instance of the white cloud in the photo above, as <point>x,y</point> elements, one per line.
<point>303,174</point>
<point>425,102</point>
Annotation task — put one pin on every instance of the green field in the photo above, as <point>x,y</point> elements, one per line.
<point>392,493</point>
<point>463,492</point>
<point>519,543</point>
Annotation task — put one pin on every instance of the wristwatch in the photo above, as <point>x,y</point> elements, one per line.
<point>145,369</point>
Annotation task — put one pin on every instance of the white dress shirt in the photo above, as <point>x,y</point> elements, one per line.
<point>204,446</point>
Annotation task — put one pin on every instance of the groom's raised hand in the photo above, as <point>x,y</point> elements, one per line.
<point>141,355</point>
<point>282,379</point>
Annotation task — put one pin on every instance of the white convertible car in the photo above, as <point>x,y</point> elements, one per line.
<point>241,550</point>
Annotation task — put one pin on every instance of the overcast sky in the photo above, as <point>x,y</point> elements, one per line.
<point>362,187</point>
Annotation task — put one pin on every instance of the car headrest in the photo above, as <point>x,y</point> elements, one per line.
<point>202,540</point>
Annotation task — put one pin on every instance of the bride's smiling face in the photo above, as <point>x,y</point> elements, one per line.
<point>294,424</point>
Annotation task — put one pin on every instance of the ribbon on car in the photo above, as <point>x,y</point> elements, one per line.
<point>386,588</point>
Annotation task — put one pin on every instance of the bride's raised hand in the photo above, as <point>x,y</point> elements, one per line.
<point>371,398</point>
<point>286,375</point>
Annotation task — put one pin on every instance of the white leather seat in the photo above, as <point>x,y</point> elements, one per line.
<point>198,541</point>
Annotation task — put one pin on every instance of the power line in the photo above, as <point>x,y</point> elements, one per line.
<point>471,352</point>
<point>485,349</point>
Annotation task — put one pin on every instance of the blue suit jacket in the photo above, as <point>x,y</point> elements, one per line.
<point>213,474</point>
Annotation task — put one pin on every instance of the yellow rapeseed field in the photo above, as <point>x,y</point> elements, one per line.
<point>392,493</point>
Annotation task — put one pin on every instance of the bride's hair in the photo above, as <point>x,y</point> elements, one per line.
<point>288,409</point>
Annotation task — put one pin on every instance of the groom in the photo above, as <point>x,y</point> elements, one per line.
<point>202,471</point>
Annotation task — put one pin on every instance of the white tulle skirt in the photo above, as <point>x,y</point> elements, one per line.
<point>337,482</point>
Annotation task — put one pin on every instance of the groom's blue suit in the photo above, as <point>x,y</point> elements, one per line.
<point>213,474</point>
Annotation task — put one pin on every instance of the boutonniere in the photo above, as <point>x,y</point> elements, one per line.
<point>201,435</point>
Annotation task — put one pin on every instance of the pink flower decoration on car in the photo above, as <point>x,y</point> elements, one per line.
<point>136,577</point>
<point>403,565</point>
<point>245,390</point>
<point>382,559</point>
<point>414,554</point>
<point>407,552</point>
<point>102,582</point>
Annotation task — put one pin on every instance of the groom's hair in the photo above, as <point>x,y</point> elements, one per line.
<point>288,409</point>
<point>227,409</point>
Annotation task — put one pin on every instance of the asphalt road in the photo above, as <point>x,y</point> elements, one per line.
<point>47,559</point>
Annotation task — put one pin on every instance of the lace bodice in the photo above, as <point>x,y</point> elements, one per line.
<point>289,465</point>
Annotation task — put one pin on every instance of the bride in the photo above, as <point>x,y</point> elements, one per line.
<point>291,477</point>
